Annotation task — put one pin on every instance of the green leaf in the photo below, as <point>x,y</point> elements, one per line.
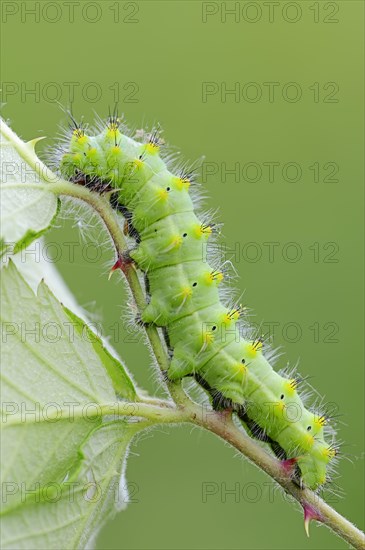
<point>71,515</point>
<point>33,267</point>
<point>27,206</point>
<point>122,382</point>
<point>53,383</point>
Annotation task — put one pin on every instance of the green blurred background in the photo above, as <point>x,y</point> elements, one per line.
<point>296,68</point>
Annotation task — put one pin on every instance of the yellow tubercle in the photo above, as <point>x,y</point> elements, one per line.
<point>329,453</point>
<point>208,278</point>
<point>138,163</point>
<point>197,231</point>
<point>230,316</point>
<point>226,319</point>
<point>152,148</point>
<point>114,124</point>
<point>82,139</point>
<point>176,241</point>
<point>241,368</point>
<point>251,351</point>
<point>181,183</point>
<point>113,132</point>
<point>78,133</point>
<point>115,150</point>
<point>290,387</point>
<point>254,348</point>
<point>162,194</point>
<point>201,230</point>
<point>320,421</point>
<point>186,292</point>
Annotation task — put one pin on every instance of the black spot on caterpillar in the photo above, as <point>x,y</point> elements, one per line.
<point>205,338</point>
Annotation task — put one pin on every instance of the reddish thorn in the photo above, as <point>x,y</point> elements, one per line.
<point>121,263</point>
<point>310,514</point>
<point>116,266</point>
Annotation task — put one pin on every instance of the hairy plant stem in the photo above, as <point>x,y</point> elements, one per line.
<point>183,409</point>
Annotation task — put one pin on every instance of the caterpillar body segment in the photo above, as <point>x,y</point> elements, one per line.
<point>206,339</point>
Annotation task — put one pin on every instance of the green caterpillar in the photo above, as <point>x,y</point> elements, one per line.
<point>205,338</point>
